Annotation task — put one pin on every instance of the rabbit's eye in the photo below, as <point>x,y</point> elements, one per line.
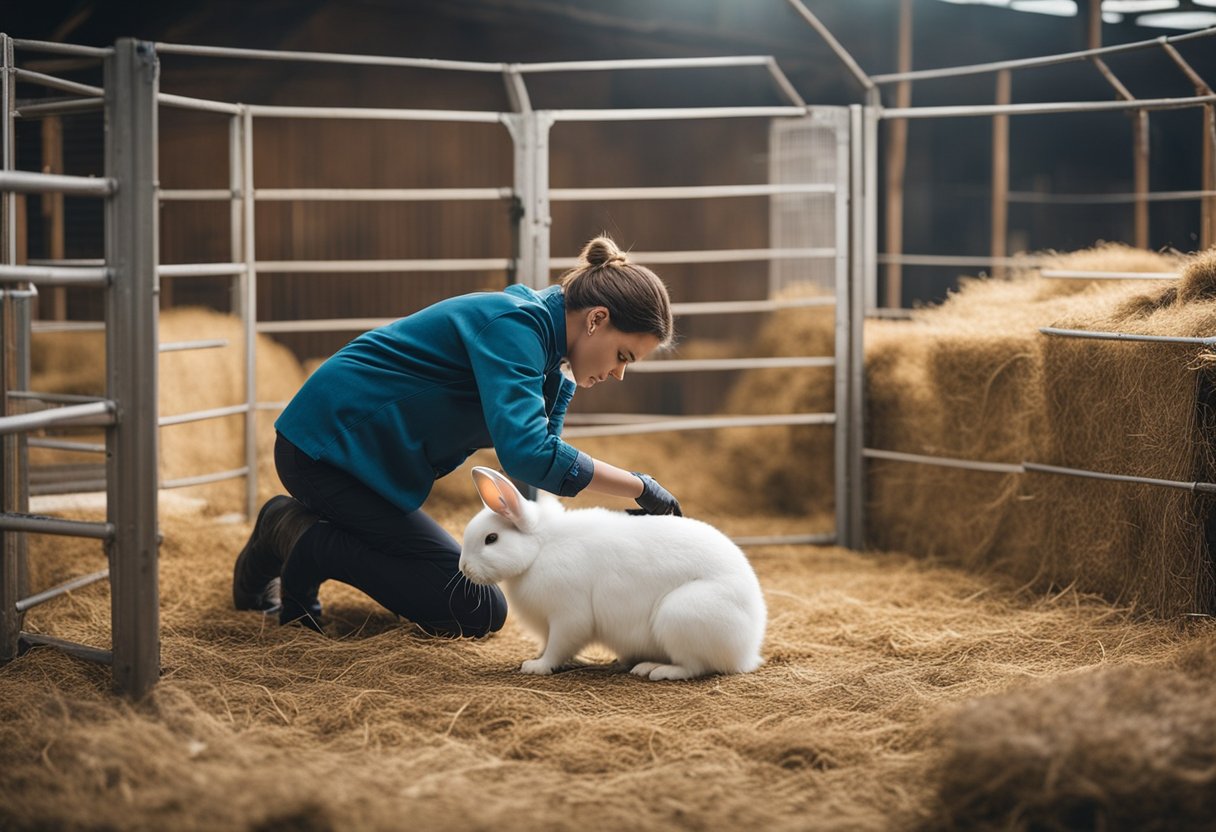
<point>491,537</point>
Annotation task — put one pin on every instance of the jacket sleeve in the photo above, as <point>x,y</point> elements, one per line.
<point>557,417</point>
<point>508,357</point>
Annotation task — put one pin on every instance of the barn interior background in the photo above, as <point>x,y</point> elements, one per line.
<point>882,668</point>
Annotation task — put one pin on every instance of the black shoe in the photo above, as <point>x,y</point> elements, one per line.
<point>306,615</point>
<point>255,576</point>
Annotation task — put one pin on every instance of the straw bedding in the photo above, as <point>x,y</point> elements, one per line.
<point>899,692</point>
<point>851,723</point>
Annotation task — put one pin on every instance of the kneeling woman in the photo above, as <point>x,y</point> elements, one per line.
<point>363,441</point>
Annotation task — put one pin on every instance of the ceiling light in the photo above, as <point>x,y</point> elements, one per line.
<point>1112,17</point>
<point>1178,20</point>
<point>982,2</point>
<point>1204,2</point>
<point>1133,6</point>
<point>1059,8</point>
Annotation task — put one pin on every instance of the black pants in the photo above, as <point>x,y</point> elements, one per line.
<point>404,560</point>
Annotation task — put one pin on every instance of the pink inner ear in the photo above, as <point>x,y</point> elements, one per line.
<point>498,494</point>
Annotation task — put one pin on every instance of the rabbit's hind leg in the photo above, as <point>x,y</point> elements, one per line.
<point>702,629</point>
<point>661,672</point>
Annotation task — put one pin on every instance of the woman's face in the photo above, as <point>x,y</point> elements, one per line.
<point>598,351</point>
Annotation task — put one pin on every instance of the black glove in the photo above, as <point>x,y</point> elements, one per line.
<point>655,499</point>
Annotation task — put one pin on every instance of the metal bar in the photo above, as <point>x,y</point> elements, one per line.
<point>952,260</point>
<point>783,83</point>
<point>64,445</point>
<point>1047,60</point>
<point>1076,274</point>
<point>841,53</point>
<point>247,300</point>
<point>742,255</point>
<point>62,589</point>
<point>347,266</point>
<point>1202,87</point>
<point>1125,336</point>
<point>675,113</point>
<point>733,306</point>
<point>58,106</point>
<point>57,398</point>
<point>80,651</point>
<point>865,295</point>
<point>56,276</point>
<point>57,83</point>
<point>97,413</point>
<point>1120,89</point>
<point>382,194</point>
<point>65,261</point>
<point>188,103</point>
<point>323,57</point>
<point>179,346</point>
<point>62,48</point>
<point>785,540</point>
<point>676,365</point>
<point>944,461</point>
<point>702,423</point>
<point>1106,199</point>
<point>68,326</point>
<point>196,195</point>
<point>201,270</point>
<point>203,415</point>
<point>644,63</point>
<point>685,192</point>
<point>203,479</point>
<point>41,524</point>
<point>12,546</point>
<point>324,325</point>
<point>887,313</point>
<point>376,114</point>
<point>844,320</point>
<point>93,486</point>
<point>27,182</point>
<point>1046,108</point>
<point>517,89</point>
<point>132,230</point>
<point>1196,487</point>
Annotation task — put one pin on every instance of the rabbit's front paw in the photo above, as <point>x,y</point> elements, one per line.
<point>536,667</point>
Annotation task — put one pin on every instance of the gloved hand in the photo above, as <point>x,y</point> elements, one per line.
<point>655,499</point>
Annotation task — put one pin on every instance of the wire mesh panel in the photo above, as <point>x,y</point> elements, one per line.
<point>804,152</point>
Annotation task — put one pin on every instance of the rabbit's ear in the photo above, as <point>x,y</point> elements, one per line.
<point>499,495</point>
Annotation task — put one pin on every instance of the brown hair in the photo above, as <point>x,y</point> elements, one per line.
<point>636,298</point>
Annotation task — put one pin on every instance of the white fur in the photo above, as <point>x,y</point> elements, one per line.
<point>673,597</point>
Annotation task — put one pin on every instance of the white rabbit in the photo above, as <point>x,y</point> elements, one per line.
<point>673,597</point>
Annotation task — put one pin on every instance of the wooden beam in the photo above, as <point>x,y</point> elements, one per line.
<point>1000,172</point>
<point>897,159</point>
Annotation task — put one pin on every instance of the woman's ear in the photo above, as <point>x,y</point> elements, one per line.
<point>597,316</point>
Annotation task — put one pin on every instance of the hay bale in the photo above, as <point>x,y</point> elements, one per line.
<point>74,362</point>
<point>787,469</point>
<point>1118,748</point>
<point>975,379</point>
<point>1134,408</point>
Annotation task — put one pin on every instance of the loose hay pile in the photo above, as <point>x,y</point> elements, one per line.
<point>849,725</point>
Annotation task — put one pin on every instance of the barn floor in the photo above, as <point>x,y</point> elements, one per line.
<point>889,682</point>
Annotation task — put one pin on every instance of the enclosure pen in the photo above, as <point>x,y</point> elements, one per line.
<point>131,531</point>
<point>982,530</point>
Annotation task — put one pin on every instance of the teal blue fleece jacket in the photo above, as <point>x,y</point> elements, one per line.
<point>402,405</point>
